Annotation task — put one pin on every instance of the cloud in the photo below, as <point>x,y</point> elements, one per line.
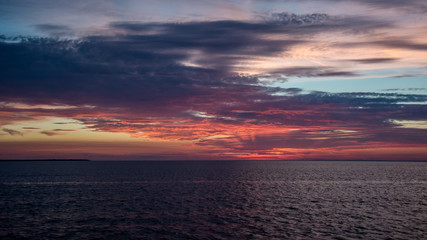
<point>417,6</point>
<point>397,43</point>
<point>403,89</point>
<point>63,123</point>
<point>54,30</point>
<point>222,43</point>
<point>374,60</point>
<point>390,43</point>
<point>49,133</point>
<point>413,5</point>
<point>291,18</point>
<point>12,132</point>
<point>313,72</point>
<point>63,130</point>
<point>55,132</point>
<point>406,75</point>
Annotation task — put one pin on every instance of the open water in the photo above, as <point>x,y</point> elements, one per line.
<point>213,200</point>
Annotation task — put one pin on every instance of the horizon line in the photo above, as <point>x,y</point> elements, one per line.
<point>210,160</point>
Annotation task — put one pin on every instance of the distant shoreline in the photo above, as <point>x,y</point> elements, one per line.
<point>43,160</point>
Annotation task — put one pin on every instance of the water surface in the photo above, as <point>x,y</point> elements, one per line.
<point>213,200</point>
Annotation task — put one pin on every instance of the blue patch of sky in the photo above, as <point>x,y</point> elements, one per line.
<point>402,80</point>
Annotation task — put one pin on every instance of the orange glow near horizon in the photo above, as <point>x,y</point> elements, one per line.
<point>203,139</point>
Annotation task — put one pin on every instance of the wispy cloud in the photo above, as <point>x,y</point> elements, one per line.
<point>12,132</point>
<point>374,60</point>
<point>313,72</point>
<point>392,43</point>
<point>418,6</point>
<point>49,133</point>
<point>55,30</point>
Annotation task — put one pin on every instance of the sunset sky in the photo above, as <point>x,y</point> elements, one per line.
<point>191,79</point>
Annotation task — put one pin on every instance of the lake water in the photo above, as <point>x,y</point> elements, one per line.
<point>213,200</point>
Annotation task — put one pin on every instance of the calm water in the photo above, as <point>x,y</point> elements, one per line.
<point>213,200</point>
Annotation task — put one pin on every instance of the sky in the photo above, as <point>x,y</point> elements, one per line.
<point>213,80</point>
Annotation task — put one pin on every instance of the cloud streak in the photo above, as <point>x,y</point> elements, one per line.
<point>12,132</point>
<point>374,60</point>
